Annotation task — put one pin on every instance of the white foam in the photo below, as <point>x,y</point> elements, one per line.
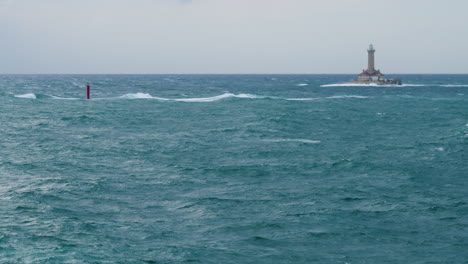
<point>27,96</point>
<point>439,149</point>
<point>302,84</point>
<point>302,99</point>
<point>226,95</point>
<point>307,141</point>
<point>206,99</point>
<point>370,85</point>
<point>201,99</point>
<point>63,98</point>
<point>161,99</point>
<point>347,96</point>
<point>411,85</point>
<point>454,85</point>
<point>348,85</point>
<point>249,96</point>
<point>217,98</point>
<point>137,96</point>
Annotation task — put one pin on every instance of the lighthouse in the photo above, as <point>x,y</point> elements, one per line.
<point>371,74</point>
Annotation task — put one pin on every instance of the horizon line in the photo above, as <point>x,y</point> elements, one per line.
<point>225,74</point>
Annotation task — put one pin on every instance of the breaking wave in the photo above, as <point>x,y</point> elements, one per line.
<point>302,99</point>
<point>307,141</point>
<point>27,96</point>
<point>219,97</point>
<point>148,96</point>
<point>231,95</point>
<point>137,96</point>
<point>454,85</point>
<point>198,99</point>
<point>370,85</point>
<point>347,96</point>
<point>390,85</point>
<point>63,98</point>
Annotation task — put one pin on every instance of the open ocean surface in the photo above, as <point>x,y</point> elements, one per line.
<point>233,169</point>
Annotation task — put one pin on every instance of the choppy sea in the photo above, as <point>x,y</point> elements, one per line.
<point>233,169</point>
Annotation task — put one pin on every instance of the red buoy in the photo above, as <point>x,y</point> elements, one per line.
<point>88,91</point>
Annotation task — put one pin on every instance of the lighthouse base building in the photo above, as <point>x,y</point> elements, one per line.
<point>366,76</point>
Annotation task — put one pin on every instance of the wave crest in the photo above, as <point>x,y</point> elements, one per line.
<point>307,141</point>
<point>137,96</point>
<point>219,97</point>
<point>370,85</point>
<point>63,98</point>
<point>455,85</point>
<point>141,95</point>
<point>347,96</point>
<point>390,85</point>
<point>27,96</point>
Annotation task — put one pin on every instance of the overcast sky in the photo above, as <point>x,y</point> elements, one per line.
<point>232,36</point>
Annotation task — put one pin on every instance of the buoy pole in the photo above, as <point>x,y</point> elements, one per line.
<point>88,91</point>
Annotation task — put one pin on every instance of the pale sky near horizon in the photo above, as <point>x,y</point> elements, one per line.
<point>232,36</point>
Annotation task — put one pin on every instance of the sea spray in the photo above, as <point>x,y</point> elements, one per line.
<point>27,96</point>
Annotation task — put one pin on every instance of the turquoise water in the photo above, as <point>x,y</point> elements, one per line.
<point>233,169</point>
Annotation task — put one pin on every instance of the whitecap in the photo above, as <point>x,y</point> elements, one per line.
<point>201,99</point>
<point>217,98</point>
<point>348,85</point>
<point>27,96</point>
<point>411,85</point>
<point>249,96</point>
<point>307,141</point>
<point>347,96</point>
<point>302,99</point>
<point>302,84</point>
<point>370,85</point>
<point>63,98</point>
<point>454,85</point>
<point>137,96</point>
<point>206,99</point>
